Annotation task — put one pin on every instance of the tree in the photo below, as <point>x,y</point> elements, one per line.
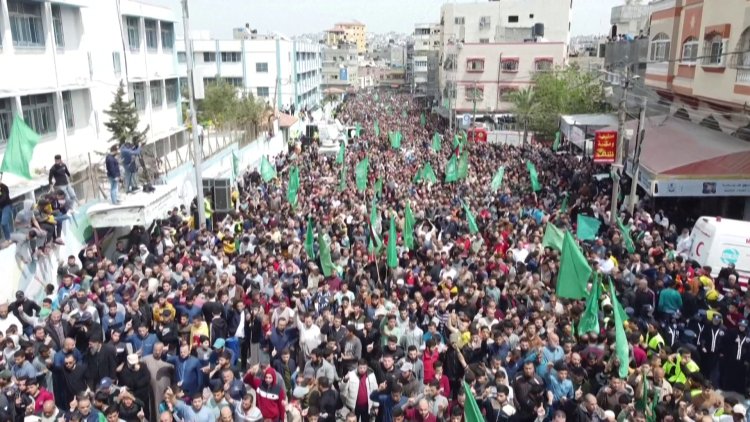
<point>218,105</point>
<point>123,120</point>
<point>524,106</point>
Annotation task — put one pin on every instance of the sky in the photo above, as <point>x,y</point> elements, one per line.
<point>294,17</point>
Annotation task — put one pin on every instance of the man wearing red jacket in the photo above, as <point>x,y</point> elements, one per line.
<point>40,394</point>
<point>419,413</point>
<point>269,395</point>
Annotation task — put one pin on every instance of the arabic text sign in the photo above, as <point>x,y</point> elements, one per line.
<point>605,146</point>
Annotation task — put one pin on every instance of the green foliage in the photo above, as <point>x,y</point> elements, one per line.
<point>563,91</point>
<point>123,120</point>
<point>223,105</point>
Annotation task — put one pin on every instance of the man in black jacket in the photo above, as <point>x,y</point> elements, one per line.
<point>101,361</point>
<point>59,178</point>
<point>113,174</point>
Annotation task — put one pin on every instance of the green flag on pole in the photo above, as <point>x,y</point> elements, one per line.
<point>422,120</point>
<point>325,256</point>
<point>19,149</point>
<point>626,237</point>
<point>267,171</point>
<point>357,129</point>
<point>463,165</point>
<point>534,176</point>
<point>342,153</point>
<point>379,187</point>
<point>293,186</point>
<point>456,141</point>
<point>587,227</point>
<point>409,223</point>
<point>553,237</point>
<point>436,142</point>
<point>361,173</point>
<point>395,138</point>
<point>472,413</point>
<point>377,129</point>
<point>235,165</point>
<point>497,180</point>
<point>564,205</point>
<point>451,170</point>
<point>574,271</point>
<point>392,254</point>
<point>622,350</point>
<point>473,228</point>
<point>376,225</point>
<point>342,178</point>
<point>589,322</point>
<point>556,144</point>
<point>310,239</point>
<point>426,174</point>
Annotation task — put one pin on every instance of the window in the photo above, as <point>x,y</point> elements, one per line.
<point>475,65</point>
<point>172,93</point>
<point>67,98</point>
<point>6,119</point>
<point>39,112</point>
<point>509,65</point>
<point>231,56</point>
<point>262,91</point>
<point>152,41</point>
<point>235,82</point>
<point>485,22</point>
<point>26,23</point>
<point>134,33</point>
<point>743,47</point>
<point>458,20</point>
<point>474,93</point>
<point>139,95</point>
<point>156,96</point>
<point>167,35</point>
<point>209,57</point>
<point>542,65</point>
<point>58,26</point>
<point>484,41</point>
<point>116,64</point>
<point>261,67</point>
<point>513,19</point>
<point>660,48</point>
<point>505,92</point>
<point>181,57</point>
<point>714,50</point>
<point>690,50</point>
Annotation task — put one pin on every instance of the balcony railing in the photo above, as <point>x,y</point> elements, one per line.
<point>743,75</point>
<point>657,68</point>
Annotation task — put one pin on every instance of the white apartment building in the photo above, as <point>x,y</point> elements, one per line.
<point>340,69</point>
<point>62,62</point>
<point>488,50</point>
<point>427,44</point>
<point>284,72</point>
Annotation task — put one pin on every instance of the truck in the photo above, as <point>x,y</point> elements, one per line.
<point>718,242</point>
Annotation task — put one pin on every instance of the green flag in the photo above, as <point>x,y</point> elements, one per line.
<point>409,223</point>
<point>574,271</point>
<point>472,413</point>
<point>310,239</point>
<point>451,170</point>
<point>626,237</point>
<point>553,237</point>
<point>473,228</point>
<point>587,227</point>
<point>392,254</point>
<point>456,141</point>
<point>395,138</point>
<point>497,180</point>
<point>19,149</point>
<point>428,174</point>
<point>377,97</point>
<point>376,225</point>
<point>436,142</point>
<point>564,205</point>
<point>342,178</point>
<point>404,114</point>
<point>267,171</point>
<point>379,187</point>
<point>360,174</point>
<point>293,186</point>
<point>342,153</point>
<point>357,129</point>
<point>325,256</point>
<point>235,165</point>
<point>422,120</point>
<point>377,129</point>
<point>589,322</point>
<point>534,176</point>
<point>556,144</point>
<point>463,165</point>
<point>622,350</point>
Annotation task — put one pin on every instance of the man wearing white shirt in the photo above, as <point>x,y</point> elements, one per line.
<point>7,319</point>
<point>309,335</point>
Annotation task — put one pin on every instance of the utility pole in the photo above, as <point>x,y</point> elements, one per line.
<point>197,148</point>
<point>619,156</point>
<point>474,103</point>
<point>637,155</point>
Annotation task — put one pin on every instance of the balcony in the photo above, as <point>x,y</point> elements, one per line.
<point>657,68</point>
<point>743,76</point>
<point>620,52</point>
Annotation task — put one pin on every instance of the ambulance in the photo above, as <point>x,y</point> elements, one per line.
<point>719,242</point>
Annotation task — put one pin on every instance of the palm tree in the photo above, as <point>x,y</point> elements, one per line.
<point>524,107</point>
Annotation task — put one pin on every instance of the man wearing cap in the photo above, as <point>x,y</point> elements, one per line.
<point>412,386</point>
<point>137,379</point>
<point>712,339</point>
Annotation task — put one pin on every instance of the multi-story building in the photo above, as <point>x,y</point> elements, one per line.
<point>491,49</point>
<point>62,62</point>
<point>282,71</point>
<point>698,61</point>
<point>630,18</point>
<point>427,42</point>
<point>348,32</point>
<point>340,68</point>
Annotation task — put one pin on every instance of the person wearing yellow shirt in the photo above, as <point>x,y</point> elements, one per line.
<point>198,328</point>
<point>163,305</point>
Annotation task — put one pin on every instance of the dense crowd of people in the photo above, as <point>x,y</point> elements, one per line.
<point>297,310</point>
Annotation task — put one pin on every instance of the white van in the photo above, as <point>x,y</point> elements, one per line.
<point>718,242</point>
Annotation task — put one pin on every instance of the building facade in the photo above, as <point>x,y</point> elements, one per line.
<point>427,41</point>
<point>340,68</point>
<point>699,61</point>
<point>488,50</point>
<point>348,32</point>
<point>62,62</point>
<point>283,72</point>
